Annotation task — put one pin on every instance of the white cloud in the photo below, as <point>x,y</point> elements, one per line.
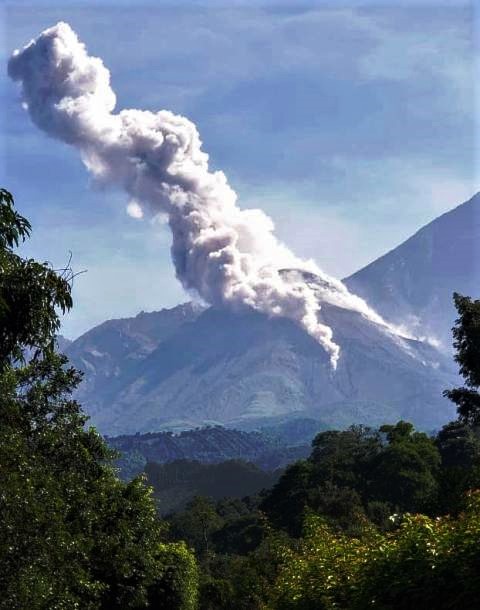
<point>134,209</point>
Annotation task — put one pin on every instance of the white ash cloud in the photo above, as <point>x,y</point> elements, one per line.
<point>228,255</point>
<point>134,209</point>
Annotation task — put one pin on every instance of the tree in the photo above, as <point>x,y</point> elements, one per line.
<point>405,471</point>
<point>30,292</point>
<point>343,458</point>
<point>196,524</point>
<point>459,447</point>
<point>425,563</point>
<point>331,482</point>
<point>466,333</point>
<point>355,473</point>
<point>287,500</point>
<point>72,535</point>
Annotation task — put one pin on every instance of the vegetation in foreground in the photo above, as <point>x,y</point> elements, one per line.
<point>384,518</point>
<point>72,534</point>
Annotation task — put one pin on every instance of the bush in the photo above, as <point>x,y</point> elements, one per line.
<point>176,584</point>
<point>425,563</point>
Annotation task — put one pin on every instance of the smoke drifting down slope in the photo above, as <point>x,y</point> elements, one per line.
<point>229,256</point>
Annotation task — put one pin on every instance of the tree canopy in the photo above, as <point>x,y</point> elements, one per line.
<point>72,534</point>
<point>466,334</point>
<point>31,293</point>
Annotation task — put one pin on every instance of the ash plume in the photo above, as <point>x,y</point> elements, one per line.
<point>228,255</point>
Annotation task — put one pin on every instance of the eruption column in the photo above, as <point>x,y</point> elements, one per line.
<point>229,256</point>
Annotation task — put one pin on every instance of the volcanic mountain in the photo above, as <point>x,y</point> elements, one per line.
<point>190,366</point>
<point>413,284</point>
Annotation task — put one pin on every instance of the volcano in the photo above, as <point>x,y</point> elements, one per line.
<point>190,366</point>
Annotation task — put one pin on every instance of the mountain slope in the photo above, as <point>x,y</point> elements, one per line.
<point>413,284</point>
<point>110,350</point>
<point>235,368</point>
<point>188,366</point>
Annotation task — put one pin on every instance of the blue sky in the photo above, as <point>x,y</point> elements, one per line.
<point>351,124</point>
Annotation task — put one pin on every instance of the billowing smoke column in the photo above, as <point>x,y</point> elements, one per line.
<point>229,256</point>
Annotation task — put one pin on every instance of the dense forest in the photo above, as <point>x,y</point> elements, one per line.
<point>372,518</point>
<point>178,482</point>
<point>270,448</point>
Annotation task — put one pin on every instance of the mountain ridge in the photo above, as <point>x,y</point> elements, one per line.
<point>412,284</point>
<point>218,367</point>
<point>192,366</point>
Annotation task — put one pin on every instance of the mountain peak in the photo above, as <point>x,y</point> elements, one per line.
<point>236,368</point>
<point>412,285</point>
<point>190,365</point>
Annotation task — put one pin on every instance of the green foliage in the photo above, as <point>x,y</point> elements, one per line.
<point>240,535</point>
<point>286,502</point>
<point>357,472</point>
<point>426,563</point>
<point>466,335</point>
<point>72,535</point>
<point>13,227</point>
<point>319,573</point>
<point>242,582</point>
<point>237,551</point>
<point>405,471</point>
<point>209,445</point>
<point>176,582</point>
<point>343,458</point>
<point>177,482</point>
<point>348,506</point>
<point>30,292</point>
<point>459,447</point>
<point>196,524</point>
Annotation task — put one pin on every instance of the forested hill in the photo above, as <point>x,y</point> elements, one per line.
<point>178,482</point>
<point>207,445</point>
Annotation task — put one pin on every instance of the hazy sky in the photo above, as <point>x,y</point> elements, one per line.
<point>350,124</point>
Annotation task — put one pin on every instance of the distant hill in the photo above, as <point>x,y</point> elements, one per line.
<point>267,449</point>
<point>413,284</point>
<point>178,482</point>
<point>293,431</point>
